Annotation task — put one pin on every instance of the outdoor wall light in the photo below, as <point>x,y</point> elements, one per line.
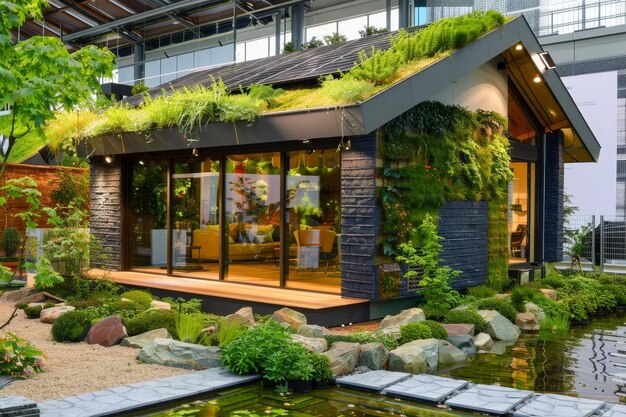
<point>547,60</point>
<point>142,163</point>
<point>347,145</point>
<point>195,152</point>
<point>519,47</point>
<point>537,79</point>
<point>108,159</point>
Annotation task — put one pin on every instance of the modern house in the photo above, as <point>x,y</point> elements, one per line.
<point>286,210</point>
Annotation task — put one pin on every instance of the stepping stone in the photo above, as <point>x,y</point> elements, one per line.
<point>559,405</point>
<point>17,406</point>
<point>616,411</point>
<point>425,388</point>
<point>489,399</point>
<point>372,381</point>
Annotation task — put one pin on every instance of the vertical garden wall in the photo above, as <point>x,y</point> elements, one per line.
<point>454,164</point>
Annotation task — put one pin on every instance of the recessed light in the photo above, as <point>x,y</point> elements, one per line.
<point>537,79</point>
<point>108,159</point>
<point>519,47</point>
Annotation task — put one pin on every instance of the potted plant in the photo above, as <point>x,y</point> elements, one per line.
<point>10,243</point>
<point>321,370</point>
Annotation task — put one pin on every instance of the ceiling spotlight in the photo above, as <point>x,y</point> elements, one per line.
<point>519,47</point>
<point>108,159</point>
<point>141,163</point>
<point>347,145</point>
<point>537,79</point>
<point>305,141</point>
<point>195,152</point>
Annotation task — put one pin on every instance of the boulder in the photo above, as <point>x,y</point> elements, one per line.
<point>465,342</point>
<point>551,294</point>
<point>49,315</point>
<point>527,322</point>
<point>412,315</point>
<point>499,327</point>
<point>107,332</point>
<point>33,298</point>
<point>415,357</point>
<point>289,318</point>
<point>343,357</point>
<point>449,354</point>
<point>178,354</point>
<point>244,317</point>
<point>312,330</point>
<point>483,341</point>
<point>160,305</point>
<point>143,339</point>
<point>536,310</point>
<point>373,355</point>
<point>312,344</point>
<point>459,329</point>
<point>16,296</point>
<point>499,348</point>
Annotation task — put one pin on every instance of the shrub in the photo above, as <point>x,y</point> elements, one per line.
<point>290,361</point>
<point>82,304</point>
<point>481,291</point>
<point>20,358</point>
<point>618,291</point>
<point>125,309</point>
<point>389,340</point>
<point>549,306</point>
<point>554,281</point>
<point>466,316</point>
<point>21,306</point>
<point>71,326</point>
<point>182,306</point>
<point>520,295</point>
<point>414,331</point>
<point>438,331</point>
<point>501,306</point>
<point>152,320</point>
<point>321,366</point>
<point>142,298</point>
<point>33,312</point>
<point>46,276</point>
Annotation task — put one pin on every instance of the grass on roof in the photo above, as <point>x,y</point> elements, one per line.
<point>26,145</point>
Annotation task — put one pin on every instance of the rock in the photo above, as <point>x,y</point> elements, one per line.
<point>538,311</point>
<point>143,339</point>
<point>289,318</point>
<point>499,327</point>
<point>178,354</point>
<point>462,307</point>
<point>210,330</point>
<point>502,296</point>
<point>415,357</point>
<point>244,317</point>
<point>15,296</point>
<point>160,305</point>
<point>312,330</point>
<point>483,341</point>
<point>312,344</point>
<point>107,332</point>
<point>33,298</point>
<point>459,329</point>
<point>394,330</point>
<point>343,357</point>
<point>49,315</point>
<point>551,294</point>
<point>449,354</point>
<point>527,321</point>
<point>373,355</point>
<point>412,315</point>
<point>465,342</point>
<point>499,347</point>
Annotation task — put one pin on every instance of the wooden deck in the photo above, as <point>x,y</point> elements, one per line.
<point>233,291</point>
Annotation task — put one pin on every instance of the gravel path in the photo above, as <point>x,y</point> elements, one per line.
<point>75,368</point>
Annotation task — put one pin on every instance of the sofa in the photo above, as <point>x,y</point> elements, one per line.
<point>246,242</point>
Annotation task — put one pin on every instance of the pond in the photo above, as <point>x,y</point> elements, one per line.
<point>580,364</point>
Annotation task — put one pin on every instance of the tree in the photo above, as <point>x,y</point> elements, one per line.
<point>39,76</point>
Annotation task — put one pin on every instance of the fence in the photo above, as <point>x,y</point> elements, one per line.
<point>603,239</point>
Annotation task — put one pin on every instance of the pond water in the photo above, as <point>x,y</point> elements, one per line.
<point>580,364</point>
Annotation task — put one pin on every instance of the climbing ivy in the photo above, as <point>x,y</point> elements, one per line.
<point>434,153</point>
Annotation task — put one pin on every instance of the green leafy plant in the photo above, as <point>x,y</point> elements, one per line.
<point>19,358</point>
<point>313,43</point>
<point>435,281</point>
<point>140,297</point>
<point>577,247</point>
<point>468,316</point>
<point>372,30</point>
<point>228,332</point>
<point>335,38</point>
<point>46,277</point>
<point>522,294</point>
<point>389,340</point>
<point>189,328</point>
<point>140,88</point>
<point>501,306</point>
<point>152,320</point>
<point>321,367</point>
<point>33,312</point>
<point>6,275</point>
<point>265,93</point>
<point>414,331</point>
<point>71,326</point>
<point>437,330</point>
<point>346,89</point>
<point>377,67</point>
<point>481,291</point>
<point>291,361</point>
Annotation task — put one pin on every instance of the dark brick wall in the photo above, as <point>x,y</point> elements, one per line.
<point>106,210</point>
<point>463,225</point>
<point>360,219</point>
<point>553,224</point>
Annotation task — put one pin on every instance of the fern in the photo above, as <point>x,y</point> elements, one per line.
<point>377,67</point>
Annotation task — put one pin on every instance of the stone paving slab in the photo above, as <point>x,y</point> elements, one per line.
<point>616,411</point>
<point>559,405</point>
<point>425,388</point>
<point>15,405</point>
<point>491,399</point>
<point>373,380</point>
<point>143,394</point>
